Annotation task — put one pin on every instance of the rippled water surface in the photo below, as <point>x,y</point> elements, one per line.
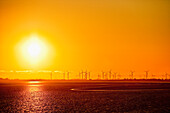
<point>72,96</point>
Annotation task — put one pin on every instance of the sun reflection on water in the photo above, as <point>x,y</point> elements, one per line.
<point>34,97</point>
<point>33,89</point>
<point>34,83</point>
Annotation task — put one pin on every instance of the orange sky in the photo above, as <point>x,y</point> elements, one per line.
<point>121,35</point>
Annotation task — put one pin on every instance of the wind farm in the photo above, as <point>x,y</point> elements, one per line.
<point>82,75</point>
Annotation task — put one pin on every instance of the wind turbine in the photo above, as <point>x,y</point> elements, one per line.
<point>146,74</point>
<point>82,76</point>
<point>64,75</point>
<point>79,75</point>
<point>103,74</point>
<point>115,73</point>
<point>51,74</point>
<point>86,74</point>
<point>68,75</point>
<point>106,76</point>
<point>166,76</point>
<point>119,76</point>
<point>110,74</point>
<point>153,76</point>
<point>99,77</point>
<point>132,74</point>
<point>89,75</point>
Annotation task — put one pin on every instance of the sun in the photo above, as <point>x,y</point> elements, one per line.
<point>34,47</point>
<point>33,50</point>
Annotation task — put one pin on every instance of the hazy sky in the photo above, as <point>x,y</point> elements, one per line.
<point>121,35</point>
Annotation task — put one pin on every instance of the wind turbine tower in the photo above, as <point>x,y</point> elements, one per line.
<point>86,74</point>
<point>166,76</point>
<point>132,74</point>
<point>82,76</point>
<point>89,75</point>
<point>110,74</point>
<point>64,74</point>
<point>103,75</point>
<point>68,75</point>
<point>115,74</point>
<point>106,76</point>
<point>51,74</point>
<point>99,78</point>
<point>146,74</point>
<point>79,75</point>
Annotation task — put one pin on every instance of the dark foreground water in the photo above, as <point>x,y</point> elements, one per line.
<point>60,96</point>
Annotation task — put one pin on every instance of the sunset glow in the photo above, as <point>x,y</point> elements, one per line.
<point>87,35</point>
<point>77,56</point>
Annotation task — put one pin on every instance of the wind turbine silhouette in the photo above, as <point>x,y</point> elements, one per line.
<point>146,74</point>
<point>119,76</point>
<point>103,75</point>
<point>153,76</point>
<point>51,75</point>
<point>110,74</point>
<point>64,74</point>
<point>89,75</point>
<point>166,76</point>
<point>115,73</point>
<point>99,77</point>
<point>85,74</point>
<point>106,76</point>
<point>82,76</point>
<point>79,75</point>
<point>68,75</point>
<point>132,74</point>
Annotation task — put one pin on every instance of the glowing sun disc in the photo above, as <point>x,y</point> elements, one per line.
<point>34,49</point>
